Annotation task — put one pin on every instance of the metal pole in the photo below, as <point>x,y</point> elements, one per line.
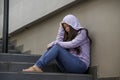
<point>5,26</point>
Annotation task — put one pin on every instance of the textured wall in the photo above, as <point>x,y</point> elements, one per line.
<point>23,12</point>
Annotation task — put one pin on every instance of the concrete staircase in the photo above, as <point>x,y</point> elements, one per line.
<point>11,65</point>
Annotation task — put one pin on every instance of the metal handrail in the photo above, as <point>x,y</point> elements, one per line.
<point>5,27</point>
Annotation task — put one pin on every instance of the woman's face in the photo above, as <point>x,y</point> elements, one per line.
<point>66,27</point>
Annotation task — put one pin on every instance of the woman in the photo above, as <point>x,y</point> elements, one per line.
<point>71,49</point>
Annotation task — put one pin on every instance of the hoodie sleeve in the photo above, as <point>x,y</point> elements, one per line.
<point>60,34</point>
<point>77,41</point>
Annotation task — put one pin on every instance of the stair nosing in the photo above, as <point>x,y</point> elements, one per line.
<point>48,73</point>
<point>19,54</point>
<point>13,62</point>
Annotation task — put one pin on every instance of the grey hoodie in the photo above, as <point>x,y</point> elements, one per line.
<point>81,39</point>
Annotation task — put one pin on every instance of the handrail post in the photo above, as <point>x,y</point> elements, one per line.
<point>5,27</point>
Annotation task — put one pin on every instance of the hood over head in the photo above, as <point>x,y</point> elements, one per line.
<point>72,21</point>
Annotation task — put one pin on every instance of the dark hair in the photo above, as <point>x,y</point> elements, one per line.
<point>68,36</point>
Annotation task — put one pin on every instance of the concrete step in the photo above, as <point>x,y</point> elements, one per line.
<point>12,51</point>
<point>18,66</point>
<point>9,46</point>
<point>13,66</point>
<point>43,76</point>
<point>7,57</point>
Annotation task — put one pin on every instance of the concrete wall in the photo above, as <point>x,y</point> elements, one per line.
<point>102,19</point>
<point>23,12</point>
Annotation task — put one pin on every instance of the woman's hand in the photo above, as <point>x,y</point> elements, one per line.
<point>49,46</point>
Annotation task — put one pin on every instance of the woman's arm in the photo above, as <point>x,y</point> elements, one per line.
<point>60,34</point>
<point>77,41</point>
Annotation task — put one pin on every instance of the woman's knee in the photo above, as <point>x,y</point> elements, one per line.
<point>57,46</point>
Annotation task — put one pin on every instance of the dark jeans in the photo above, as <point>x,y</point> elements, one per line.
<point>67,62</point>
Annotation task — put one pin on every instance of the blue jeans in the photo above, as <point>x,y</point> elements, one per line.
<point>67,62</point>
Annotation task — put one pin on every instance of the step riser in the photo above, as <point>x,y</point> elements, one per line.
<point>9,47</point>
<point>17,67</point>
<point>1,41</point>
<point>11,67</point>
<point>48,76</point>
<point>12,51</point>
<point>18,58</point>
<point>9,44</point>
